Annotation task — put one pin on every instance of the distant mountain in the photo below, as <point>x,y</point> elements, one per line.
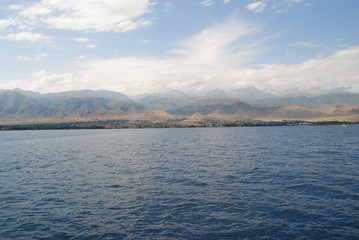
<point>340,97</point>
<point>229,109</point>
<point>218,93</point>
<point>54,100</point>
<point>338,108</point>
<point>240,94</point>
<point>312,102</point>
<point>202,106</point>
<point>27,93</point>
<point>310,92</point>
<point>218,105</point>
<point>177,102</point>
<point>80,104</point>
<point>284,108</point>
<point>94,107</point>
<point>251,93</point>
<point>89,93</point>
<point>166,101</point>
<point>16,105</point>
<point>172,93</point>
<point>154,115</point>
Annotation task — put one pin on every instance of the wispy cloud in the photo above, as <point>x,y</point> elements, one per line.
<point>290,2</point>
<point>284,5</point>
<point>4,23</point>
<point>257,7</point>
<point>278,5</point>
<point>84,15</point>
<point>302,44</point>
<point>226,1</point>
<point>35,58</point>
<point>81,40</point>
<point>212,44</point>
<point>25,37</point>
<point>169,6</point>
<point>144,41</point>
<point>91,46</point>
<point>207,3</point>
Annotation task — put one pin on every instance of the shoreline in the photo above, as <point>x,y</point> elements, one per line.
<point>137,124</point>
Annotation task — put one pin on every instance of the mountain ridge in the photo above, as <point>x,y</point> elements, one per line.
<point>18,105</point>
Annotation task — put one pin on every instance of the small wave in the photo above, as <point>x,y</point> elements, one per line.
<point>324,190</point>
<point>298,186</point>
<point>104,236</point>
<point>114,186</point>
<point>294,214</point>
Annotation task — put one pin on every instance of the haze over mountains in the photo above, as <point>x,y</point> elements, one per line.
<point>250,103</point>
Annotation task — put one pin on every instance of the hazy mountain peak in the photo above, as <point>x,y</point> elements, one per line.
<point>218,93</point>
<point>251,93</point>
<point>25,92</point>
<point>173,93</point>
<point>91,93</point>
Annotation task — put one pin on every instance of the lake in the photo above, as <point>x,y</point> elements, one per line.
<point>196,183</point>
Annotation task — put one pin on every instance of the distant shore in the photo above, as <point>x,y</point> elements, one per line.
<point>125,124</point>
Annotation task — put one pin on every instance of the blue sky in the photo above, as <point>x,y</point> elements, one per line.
<point>145,46</point>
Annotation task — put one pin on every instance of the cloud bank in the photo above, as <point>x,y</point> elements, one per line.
<point>216,57</point>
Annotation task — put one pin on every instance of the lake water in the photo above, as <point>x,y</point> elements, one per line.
<point>203,183</point>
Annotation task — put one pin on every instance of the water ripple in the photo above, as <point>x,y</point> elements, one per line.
<point>220,183</point>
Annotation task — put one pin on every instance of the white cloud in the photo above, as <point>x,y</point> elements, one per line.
<point>337,70</point>
<point>226,1</point>
<point>141,75</point>
<point>214,58</point>
<point>4,23</point>
<point>169,6</point>
<point>86,15</point>
<point>23,58</point>
<point>213,44</point>
<point>284,5</point>
<point>15,7</point>
<point>44,82</point>
<point>91,46</point>
<point>144,41</point>
<point>290,2</point>
<point>35,10</point>
<point>35,58</point>
<point>207,3</point>
<point>257,7</point>
<point>197,62</point>
<point>25,36</point>
<point>40,56</point>
<point>302,44</point>
<point>81,40</point>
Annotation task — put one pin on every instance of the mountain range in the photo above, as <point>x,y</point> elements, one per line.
<point>242,104</point>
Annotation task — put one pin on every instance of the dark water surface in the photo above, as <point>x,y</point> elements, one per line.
<point>210,183</point>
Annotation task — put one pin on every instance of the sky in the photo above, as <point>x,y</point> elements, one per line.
<point>145,46</point>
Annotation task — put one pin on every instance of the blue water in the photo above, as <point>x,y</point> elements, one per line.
<point>207,183</point>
